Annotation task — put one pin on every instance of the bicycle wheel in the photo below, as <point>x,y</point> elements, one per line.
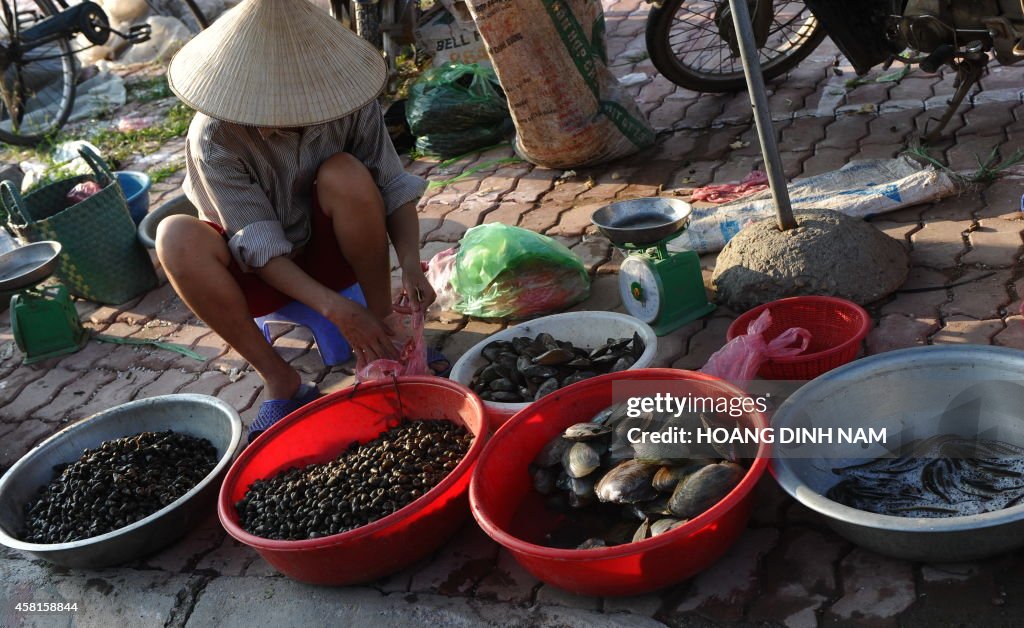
<point>187,11</point>
<point>37,85</point>
<point>692,42</point>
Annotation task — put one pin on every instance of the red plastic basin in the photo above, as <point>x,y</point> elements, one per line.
<point>837,327</point>
<point>323,429</point>
<point>512,513</point>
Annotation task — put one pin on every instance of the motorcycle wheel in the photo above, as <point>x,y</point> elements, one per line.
<point>688,48</point>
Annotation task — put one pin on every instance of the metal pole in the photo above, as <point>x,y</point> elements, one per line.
<point>762,115</point>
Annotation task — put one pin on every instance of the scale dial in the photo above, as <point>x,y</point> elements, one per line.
<point>640,288</point>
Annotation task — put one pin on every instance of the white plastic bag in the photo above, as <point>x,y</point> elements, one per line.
<point>859,189</point>
<point>740,359</point>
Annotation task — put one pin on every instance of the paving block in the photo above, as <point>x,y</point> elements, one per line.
<point>120,390</point>
<point>799,578</point>
<point>721,591</point>
<point>875,590</point>
<point>37,393</point>
<point>74,395</point>
<point>897,331</point>
<point>981,299</point>
<point>704,343</point>
<point>966,330</point>
<point>112,597</point>
<point>939,244</point>
<point>996,242</point>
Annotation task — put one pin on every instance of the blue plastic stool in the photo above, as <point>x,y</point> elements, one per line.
<point>333,347</point>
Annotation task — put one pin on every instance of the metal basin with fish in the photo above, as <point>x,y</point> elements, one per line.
<point>970,391</point>
<point>642,221</point>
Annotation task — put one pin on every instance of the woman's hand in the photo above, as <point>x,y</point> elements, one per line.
<point>369,338</point>
<point>421,293</point>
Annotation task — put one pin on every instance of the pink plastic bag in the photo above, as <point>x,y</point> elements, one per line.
<point>739,360</point>
<point>408,339</point>
<point>439,274</point>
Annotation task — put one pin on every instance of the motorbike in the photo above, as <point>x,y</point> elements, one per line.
<point>693,44</point>
<point>963,35</point>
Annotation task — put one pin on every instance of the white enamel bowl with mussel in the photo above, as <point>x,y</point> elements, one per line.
<point>623,555</point>
<point>198,416</point>
<point>608,336</point>
<point>947,485</point>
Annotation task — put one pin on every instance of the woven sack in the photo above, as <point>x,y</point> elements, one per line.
<point>101,258</point>
<point>568,107</point>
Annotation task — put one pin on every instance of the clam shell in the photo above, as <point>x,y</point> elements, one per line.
<point>643,532</point>
<point>704,489</point>
<point>628,482</point>
<point>551,454</point>
<point>661,526</point>
<point>580,460</point>
<point>668,477</point>
<point>544,481</point>
<point>582,432</point>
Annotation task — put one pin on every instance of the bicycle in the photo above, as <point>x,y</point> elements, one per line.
<point>693,43</point>
<point>38,69</point>
<point>387,24</point>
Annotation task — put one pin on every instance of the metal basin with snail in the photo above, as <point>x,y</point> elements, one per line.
<point>970,390</point>
<point>201,416</point>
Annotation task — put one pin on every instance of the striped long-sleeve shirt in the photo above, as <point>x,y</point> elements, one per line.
<point>258,183</point>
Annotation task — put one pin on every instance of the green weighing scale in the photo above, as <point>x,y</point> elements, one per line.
<point>44,320</point>
<point>662,288</point>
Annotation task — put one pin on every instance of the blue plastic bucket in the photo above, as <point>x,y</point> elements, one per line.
<point>135,186</point>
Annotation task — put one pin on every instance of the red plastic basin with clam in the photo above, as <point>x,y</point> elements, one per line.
<point>512,513</point>
<point>319,432</point>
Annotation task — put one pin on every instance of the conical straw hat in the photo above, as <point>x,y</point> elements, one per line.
<point>277,63</point>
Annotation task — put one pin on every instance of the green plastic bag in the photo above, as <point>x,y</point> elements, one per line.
<point>462,142</point>
<point>462,102</point>
<point>512,273</point>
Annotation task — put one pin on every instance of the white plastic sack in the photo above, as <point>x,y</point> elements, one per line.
<point>101,94</point>
<point>69,163</point>
<point>446,35</point>
<point>169,35</point>
<point>125,10</point>
<point>860,189</point>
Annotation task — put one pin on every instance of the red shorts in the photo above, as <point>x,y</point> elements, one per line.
<point>321,258</point>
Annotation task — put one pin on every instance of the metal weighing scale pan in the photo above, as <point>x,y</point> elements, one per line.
<point>28,265</point>
<point>642,221</point>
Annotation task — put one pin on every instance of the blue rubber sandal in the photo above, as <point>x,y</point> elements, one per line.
<point>433,357</point>
<point>273,410</point>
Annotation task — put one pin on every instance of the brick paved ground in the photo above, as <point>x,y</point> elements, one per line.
<point>788,569</point>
